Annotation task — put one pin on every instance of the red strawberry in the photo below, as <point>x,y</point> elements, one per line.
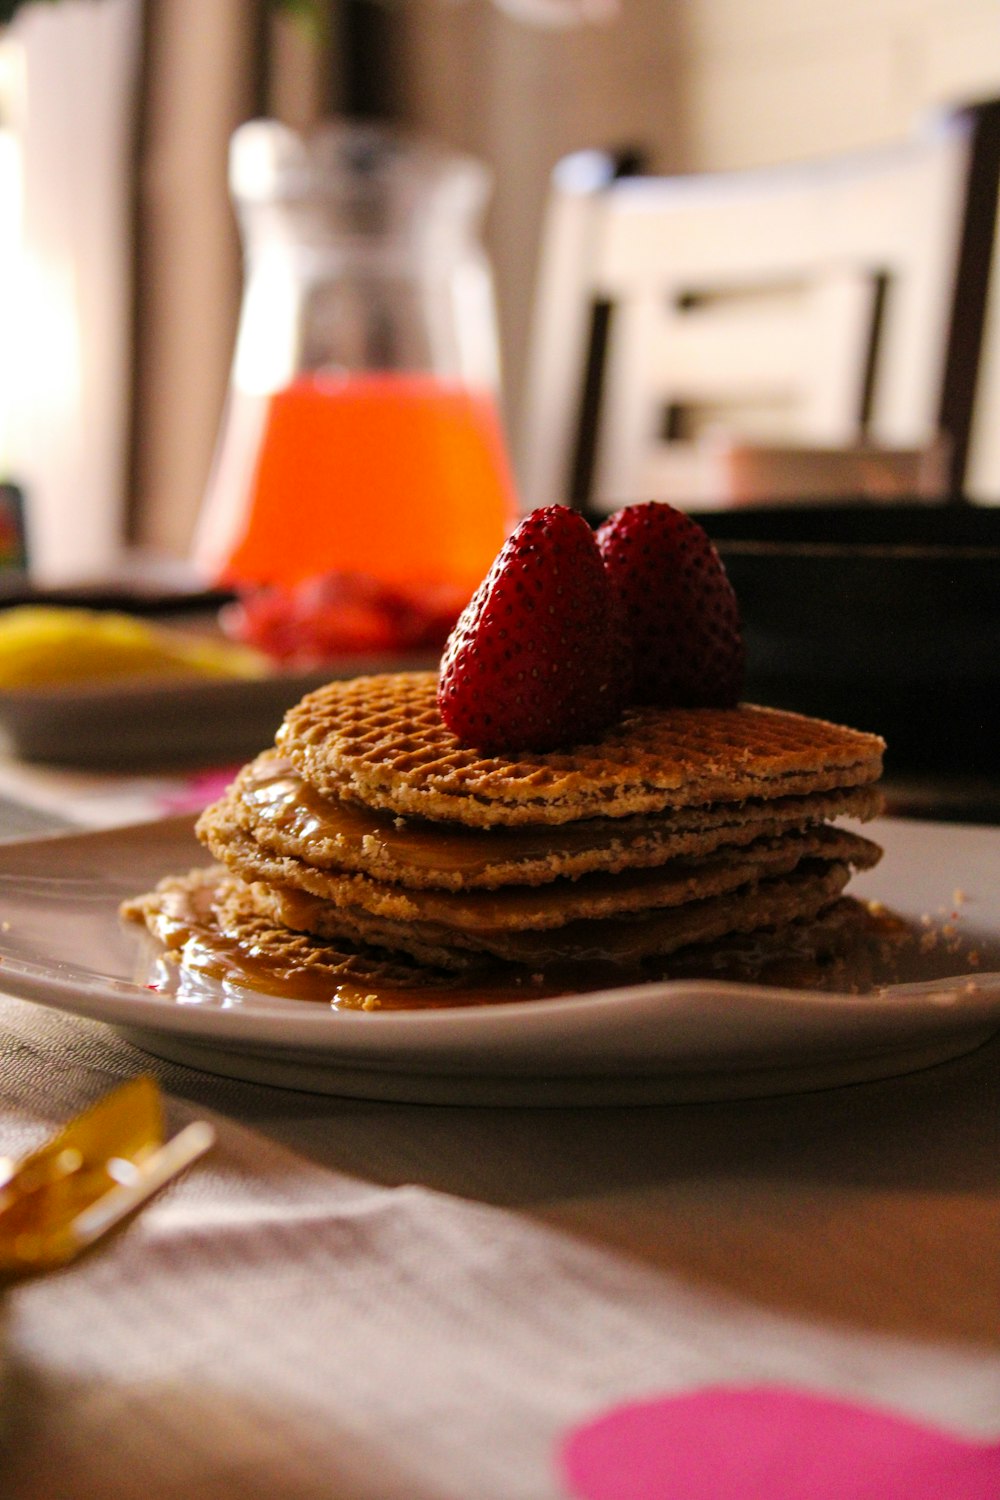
<point>678,607</point>
<point>536,660</point>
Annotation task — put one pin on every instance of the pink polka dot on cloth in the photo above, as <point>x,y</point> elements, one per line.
<point>770,1443</point>
<point>197,791</point>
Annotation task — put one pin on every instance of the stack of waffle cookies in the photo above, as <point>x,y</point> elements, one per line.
<point>369,845</point>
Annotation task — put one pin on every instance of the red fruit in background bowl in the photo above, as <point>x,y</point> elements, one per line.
<point>678,607</point>
<point>536,660</point>
<point>339,614</point>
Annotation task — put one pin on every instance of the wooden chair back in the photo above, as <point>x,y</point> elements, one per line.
<point>825,305</point>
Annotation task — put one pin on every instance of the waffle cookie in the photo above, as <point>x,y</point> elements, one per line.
<point>285,816</point>
<point>380,742</point>
<point>485,919</point>
<point>368,849</point>
<point>624,942</point>
<point>233,933</point>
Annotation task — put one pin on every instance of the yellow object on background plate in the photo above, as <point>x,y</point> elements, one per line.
<point>45,646</point>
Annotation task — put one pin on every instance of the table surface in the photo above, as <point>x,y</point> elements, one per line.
<point>352,1299</point>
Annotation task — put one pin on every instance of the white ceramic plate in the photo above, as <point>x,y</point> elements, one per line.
<point>62,944</point>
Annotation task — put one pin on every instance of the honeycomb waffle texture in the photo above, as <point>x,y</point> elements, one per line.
<point>380,741</point>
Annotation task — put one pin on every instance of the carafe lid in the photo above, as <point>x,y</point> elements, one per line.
<point>373,178</point>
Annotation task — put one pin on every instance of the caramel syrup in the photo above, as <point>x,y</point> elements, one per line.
<point>197,957</point>
<point>281,798</point>
<point>851,948</point>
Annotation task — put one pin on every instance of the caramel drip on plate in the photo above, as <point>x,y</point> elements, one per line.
<point>849,948</point>
<point>197,948</point>
<point>205,953</point>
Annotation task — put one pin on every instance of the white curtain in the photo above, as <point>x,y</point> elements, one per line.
<point>66,344</point>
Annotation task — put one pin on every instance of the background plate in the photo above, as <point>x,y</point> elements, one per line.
<point>184,720</point>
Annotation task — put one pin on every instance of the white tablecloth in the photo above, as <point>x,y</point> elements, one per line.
<point>392,1302</point>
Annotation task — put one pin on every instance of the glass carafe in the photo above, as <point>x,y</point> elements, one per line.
<point>362,432</point>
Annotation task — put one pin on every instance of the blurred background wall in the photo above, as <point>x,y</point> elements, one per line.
<point>689,84</point>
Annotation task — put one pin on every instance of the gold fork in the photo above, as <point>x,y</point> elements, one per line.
<point>98,1170</point>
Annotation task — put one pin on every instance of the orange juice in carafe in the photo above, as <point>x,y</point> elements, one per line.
<point>404,477</point>
<point>361,433</point>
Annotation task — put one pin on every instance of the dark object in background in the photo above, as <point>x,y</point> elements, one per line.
<point>370,73</point>
<point>883,617</point>
<point>13,542</point>
<point>115,594</point>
